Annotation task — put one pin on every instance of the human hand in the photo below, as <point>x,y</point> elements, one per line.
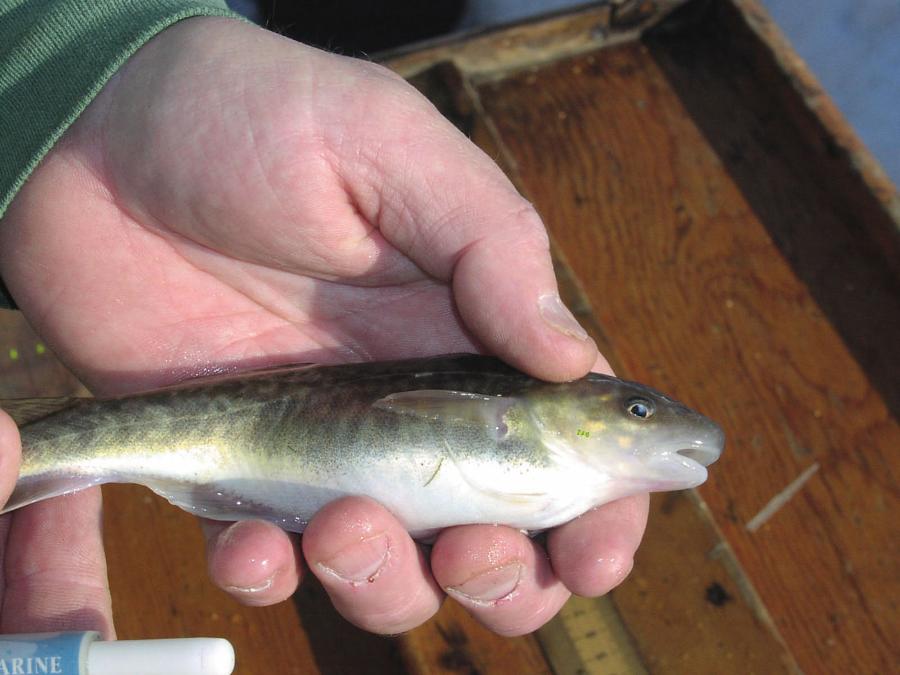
<point>235,198</point>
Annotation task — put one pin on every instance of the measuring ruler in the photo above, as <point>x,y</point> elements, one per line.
<point>588,637</point>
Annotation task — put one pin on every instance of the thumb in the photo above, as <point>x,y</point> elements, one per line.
<point>507,295</point>
<point>10,456</point>
<point>448,207</point>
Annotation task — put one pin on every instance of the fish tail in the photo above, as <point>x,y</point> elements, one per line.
<point>35,488</point>
<point>35,485</point>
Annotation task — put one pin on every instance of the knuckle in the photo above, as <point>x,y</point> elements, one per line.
<point>526,224</point>
<point>376,70</point>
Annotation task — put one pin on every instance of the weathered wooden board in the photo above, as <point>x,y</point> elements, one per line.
<point>681,250</point>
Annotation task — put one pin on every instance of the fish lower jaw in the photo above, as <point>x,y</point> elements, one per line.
<point>659,471</point>
<point>677,473</point>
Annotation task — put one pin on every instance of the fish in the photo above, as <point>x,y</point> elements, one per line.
<point>438,441</point>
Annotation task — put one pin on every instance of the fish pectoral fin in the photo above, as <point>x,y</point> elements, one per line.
<point>249,373</point>
<point>450,406</point>
<point>25,410</point>
<point>476,482</point>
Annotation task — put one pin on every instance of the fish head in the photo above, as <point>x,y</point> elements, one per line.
<point>630,432</point>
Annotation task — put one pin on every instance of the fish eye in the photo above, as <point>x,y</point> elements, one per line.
<point>640,407</point>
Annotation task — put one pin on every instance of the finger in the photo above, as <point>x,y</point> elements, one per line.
<point>10,460</point>
<point>601,365</point>
<point>594,553</point>
<point>10,456</point>
<point>506,294</point>
<point>55,568</point>
<point>460,219</point>
<point>254,561</point>
<point>374,573</point>
<point>501,576</point>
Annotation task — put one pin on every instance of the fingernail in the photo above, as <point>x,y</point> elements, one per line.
<point>489,587</point>
<point>263,585</point>
<point>360,562</point>
<point>558,316</point>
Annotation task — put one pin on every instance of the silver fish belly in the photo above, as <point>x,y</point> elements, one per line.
<point>438,441</point>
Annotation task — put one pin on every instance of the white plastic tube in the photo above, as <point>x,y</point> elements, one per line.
<point>85,654</point>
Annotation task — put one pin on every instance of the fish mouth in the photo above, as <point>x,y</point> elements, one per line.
<point>675,471</point>
<point>683,465</point>
<point>703,447</point>
<point>700,454</point>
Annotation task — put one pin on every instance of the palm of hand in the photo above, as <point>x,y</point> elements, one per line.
<point>248,229</point>
<point>288,205</point>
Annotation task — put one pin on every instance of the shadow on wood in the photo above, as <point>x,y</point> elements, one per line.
<point>831,228</point>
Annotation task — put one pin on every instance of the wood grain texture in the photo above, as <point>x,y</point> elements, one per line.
<point>688,609</point>
<point>452,642</point>
<point>698,299</point>
<point>811,190</point>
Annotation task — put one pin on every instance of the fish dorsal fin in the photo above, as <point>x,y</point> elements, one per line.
<point>450,406</point>
<point>206,379</point>
<point>25,410</point>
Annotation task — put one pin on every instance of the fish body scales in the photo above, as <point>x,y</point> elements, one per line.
<point>439,442</point>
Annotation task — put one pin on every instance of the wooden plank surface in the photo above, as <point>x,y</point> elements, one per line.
<point>687,274</point>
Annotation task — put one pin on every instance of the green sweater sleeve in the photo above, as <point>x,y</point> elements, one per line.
<point>55,56</point>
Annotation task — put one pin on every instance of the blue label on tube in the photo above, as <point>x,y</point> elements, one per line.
<point>42,654</point>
